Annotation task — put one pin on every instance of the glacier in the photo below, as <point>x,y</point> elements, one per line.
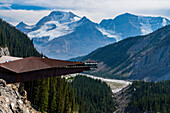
<point>145,25</point>
<point>110,34</point>
<point>59,25</point>
<point>64,35</point>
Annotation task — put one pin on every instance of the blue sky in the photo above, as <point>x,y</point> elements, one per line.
<point>30,11</point>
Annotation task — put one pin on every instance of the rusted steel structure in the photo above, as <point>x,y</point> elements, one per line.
<point>34,68</point>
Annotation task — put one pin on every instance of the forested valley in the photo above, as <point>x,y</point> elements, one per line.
<point>83,94</point>
<point>56,94</point>
<point>92,96</point>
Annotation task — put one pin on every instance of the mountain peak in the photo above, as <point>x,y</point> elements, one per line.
<point>85,19</point>
<point>72,14</point>
<point>56,13</point>
<point>62,16</point>
<point>60,34</point>
<point>22,24</point>
<point>126,15</point>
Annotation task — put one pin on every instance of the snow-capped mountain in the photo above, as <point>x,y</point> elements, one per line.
<point>56,24</point>
<point>64,35</point>
<point>128,25</point>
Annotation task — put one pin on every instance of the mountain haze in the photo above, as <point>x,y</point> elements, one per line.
<point>142,57</point>
<point>128,25</point>
<point>64,35</point>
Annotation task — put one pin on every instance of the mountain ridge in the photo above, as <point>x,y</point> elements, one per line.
<point>141,57</point>
<point>50,34</point>
<point>132,25</point>
<point>55,30</point>
<point>70,44</point>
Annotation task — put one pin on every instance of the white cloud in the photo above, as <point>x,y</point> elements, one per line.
<point>27,16</point>
<point>5,5</point>
<point>6,1</point>
<point>96,10</point>
<point>97,4</point>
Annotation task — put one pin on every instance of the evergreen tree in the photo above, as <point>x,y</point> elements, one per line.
<point>52,95</point>
<point>44,94</point>
<point>92,95</point>
<point>150,96</point>
<point>17,42</point>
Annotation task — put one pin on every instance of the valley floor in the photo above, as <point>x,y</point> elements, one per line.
<point>115,85</point>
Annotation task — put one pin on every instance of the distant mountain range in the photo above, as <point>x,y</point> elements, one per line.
<point>64,35</point>
<point>142,57</point>
<point>128,25</point>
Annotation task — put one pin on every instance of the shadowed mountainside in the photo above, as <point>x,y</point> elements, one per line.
<point>142,57</point>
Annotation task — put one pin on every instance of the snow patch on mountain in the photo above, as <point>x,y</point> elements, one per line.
<point>63,17</point>
<point>60,30</point>
<point>76,18</point>
<point>29,27</point>
<point>164,22</point>
<point>54,29</point>
<point>110,34</point>
<point>65,35</point>
<point>145,25</point>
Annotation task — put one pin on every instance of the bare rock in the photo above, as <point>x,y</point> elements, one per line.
<point>11,101</point>
<point>2,82</point>
<point>4,51</point>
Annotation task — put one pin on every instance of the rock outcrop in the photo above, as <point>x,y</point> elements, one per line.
<point>11,101</point>
<point>122,98</point>
<point>4,51</point>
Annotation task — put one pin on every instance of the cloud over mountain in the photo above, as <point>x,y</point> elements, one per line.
<point>101,9</point>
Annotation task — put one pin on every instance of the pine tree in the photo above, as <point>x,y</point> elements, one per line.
<point>92,95</point>
<point>72,100</point>
<point>44,93</point>
<point>59,96</point>
<point>52,96</point>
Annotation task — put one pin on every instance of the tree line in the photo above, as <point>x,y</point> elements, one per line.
<point>17,42</point>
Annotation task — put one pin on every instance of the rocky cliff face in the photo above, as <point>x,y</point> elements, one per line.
<point>11,101</point>
<point>122,98</point>
<point>4,51</point>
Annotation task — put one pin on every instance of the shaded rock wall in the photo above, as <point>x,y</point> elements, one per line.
<point>4,51</point>
<point>11,101</point>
